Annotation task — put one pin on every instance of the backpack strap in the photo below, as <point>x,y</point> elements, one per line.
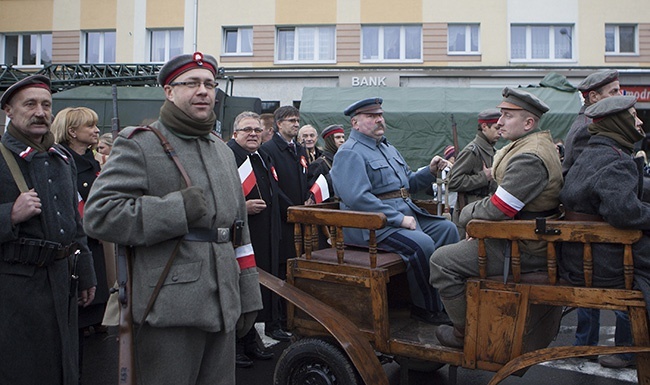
<point>15,170</point>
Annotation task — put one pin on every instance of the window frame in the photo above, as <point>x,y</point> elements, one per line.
<point>167,54</point>
<point>381,48</point>
<point>617,37</point>
<point>238,51</point>
<point>468,39</point>
<point>296,44</point>
<point>551,43</point>
<point>20,47</point>
<point>101,49</point>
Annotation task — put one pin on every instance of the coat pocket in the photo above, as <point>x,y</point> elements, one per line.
<point>182,273</point>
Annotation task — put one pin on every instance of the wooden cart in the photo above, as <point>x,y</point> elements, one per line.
<point>349,307</point>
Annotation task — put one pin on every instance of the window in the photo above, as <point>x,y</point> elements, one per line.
<point>305,44</point>
<point>28,49</point>
<point>396,43</point>
<point>541,42</point>
<point>462,39</point>
<point>100,47</point>
<point>165,44</point>
<point>620,39</point>
<point>238,41</point>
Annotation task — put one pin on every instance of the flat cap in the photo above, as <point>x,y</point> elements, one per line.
<point>597,80</point>
<point>183,63</point>
<point>331,130</point>
<point>610,106</point>
<point>365,106</point>
<point>30,81</point>
<point>516,99</point>
<point>489,116</point>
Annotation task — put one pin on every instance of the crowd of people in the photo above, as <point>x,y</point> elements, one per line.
<point>202,216</point>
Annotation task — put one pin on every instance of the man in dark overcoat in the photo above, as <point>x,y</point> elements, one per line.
<point>605,184</point>
<point>40,231</point>
<point>263,221</point>
<point>290,161</point>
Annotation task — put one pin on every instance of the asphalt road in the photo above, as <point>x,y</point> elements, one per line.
<point>100,365</point>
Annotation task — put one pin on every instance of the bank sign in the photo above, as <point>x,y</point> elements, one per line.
<point>642,93</point>
<point>376,80</point>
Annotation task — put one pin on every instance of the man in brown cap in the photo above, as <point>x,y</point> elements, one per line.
<point>141,199</point>
<point>39,234</point>
<point>529,178</point>
<point>471,175</point>
<point>597,86</point>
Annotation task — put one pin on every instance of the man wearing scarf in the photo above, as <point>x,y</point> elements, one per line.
<point>606,184</point>
<point>40,231</point>
<point>529,179</point>
<point>140,199</point>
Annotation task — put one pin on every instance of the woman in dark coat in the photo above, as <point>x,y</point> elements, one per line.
<point>606,183</point>
<point>76,130</point>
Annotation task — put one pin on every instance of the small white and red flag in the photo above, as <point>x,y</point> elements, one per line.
<point>247,176</point>
<point>320,189</point>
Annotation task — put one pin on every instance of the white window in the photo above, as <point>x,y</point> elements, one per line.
<point>28,50</point>
<point>395,43</point>
<point>621,39</point>
<point>462,39</point>
<point>305,44</point>
<point>238,41</point>
<point>100,47</point>
<point>165,44</point>
<point>541,43</point>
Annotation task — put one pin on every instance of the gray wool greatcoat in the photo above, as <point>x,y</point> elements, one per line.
<point>605,180</point>
<point>38,314</point>
<point>136,201</point>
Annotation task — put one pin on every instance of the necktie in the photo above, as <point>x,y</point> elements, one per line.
<point>292,146</point>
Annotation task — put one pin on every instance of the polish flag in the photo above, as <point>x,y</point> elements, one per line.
<point>247,176</point>
<point>80,204</point>
<point>320,189</point>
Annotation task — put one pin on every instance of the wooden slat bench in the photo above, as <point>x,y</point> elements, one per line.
<point>498,314</point>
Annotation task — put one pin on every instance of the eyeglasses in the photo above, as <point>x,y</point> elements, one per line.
<point>194,84</point>
<point>292,121</point>
<point>248,130</point>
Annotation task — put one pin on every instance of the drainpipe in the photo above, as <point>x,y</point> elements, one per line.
<point>196,25</point>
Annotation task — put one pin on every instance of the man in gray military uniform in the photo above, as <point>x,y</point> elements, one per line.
<point>141,199</point>
<point>529,178</point>
<point>471,175</point>
<point>597,86</point>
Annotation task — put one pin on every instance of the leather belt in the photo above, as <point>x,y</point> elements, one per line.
<point>576,216</point>
<point>38,252</point>
<point>218,235</point>
<point>537,214</point>
<point>401,193</point>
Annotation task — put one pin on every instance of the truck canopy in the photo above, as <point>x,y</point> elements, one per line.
<point>419,120</point>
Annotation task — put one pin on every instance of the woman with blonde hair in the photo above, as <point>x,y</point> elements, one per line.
<point>75,128</point>
<point>104,148</point>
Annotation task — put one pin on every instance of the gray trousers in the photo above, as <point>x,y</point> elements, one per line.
<point>451,265</point>
<point>184,355</point>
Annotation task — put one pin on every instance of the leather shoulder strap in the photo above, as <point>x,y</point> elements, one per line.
<point>15,170</point>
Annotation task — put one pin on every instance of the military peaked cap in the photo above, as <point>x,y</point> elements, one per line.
<point>183,63</point>
<point>610,106</point>
<point>597,80</point>
<point>30,81</point>
<point>365,106</point>
<point>489,116</point>
<point>331,130</point>
<point>516,99</point>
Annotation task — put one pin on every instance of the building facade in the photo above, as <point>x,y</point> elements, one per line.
<point>272,49</point>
